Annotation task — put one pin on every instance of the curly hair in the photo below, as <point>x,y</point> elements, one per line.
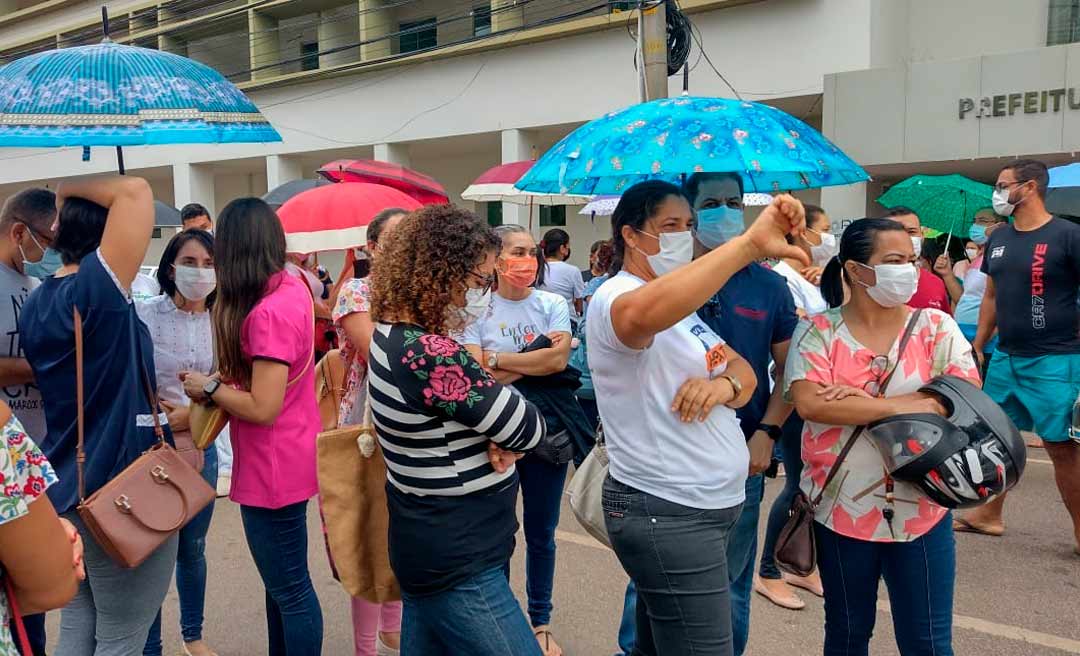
<point>433,251</point>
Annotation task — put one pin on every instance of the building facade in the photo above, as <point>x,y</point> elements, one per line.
<point>453,87</point>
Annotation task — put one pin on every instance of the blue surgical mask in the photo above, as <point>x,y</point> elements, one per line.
<point>46,266</point>
<point>977,234</point>
<point>718,225</point>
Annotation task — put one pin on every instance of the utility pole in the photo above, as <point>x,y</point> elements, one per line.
<point>652,50</point>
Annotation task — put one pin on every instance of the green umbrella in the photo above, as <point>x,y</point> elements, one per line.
<point>943,202</point>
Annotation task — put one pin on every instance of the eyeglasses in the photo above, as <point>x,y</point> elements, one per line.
<point>878,366</point>
<point>985,221</point>
<point>486,282</point>
<point>1002,186</point>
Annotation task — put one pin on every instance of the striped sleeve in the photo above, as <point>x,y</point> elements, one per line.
<point>436,373</point>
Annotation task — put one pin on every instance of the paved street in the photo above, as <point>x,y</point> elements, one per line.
<point>1017,595</point>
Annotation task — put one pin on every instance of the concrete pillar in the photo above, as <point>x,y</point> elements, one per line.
<point>194,183</point>
<point>516,146</point>
<point>843,204</point>
<point>395,153</point>
<point>281,169</point>
<point>336,30</point>
<point>376,23</point>
<point>264,46</point>
<point>506,15</point>
<point>170,43</point>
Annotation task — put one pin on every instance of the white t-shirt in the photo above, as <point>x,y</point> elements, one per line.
<point>566,281</point>
<point>510,326</point>
<point>24,399</point>
<point>700,464</point>
<point>807,296</point>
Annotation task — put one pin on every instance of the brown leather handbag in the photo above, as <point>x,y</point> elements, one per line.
<point>796,546</point>
<point>153,498</point>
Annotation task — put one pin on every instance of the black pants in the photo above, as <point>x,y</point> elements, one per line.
<point>676,556</point>
<point>35,633</point>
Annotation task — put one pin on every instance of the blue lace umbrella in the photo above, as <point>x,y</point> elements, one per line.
<point>674,137</point>
<point>116,95</point>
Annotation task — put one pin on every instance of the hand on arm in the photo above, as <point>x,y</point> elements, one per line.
<point>261,405</point>
<point>15,371</point>
<point>638,315</point>
<point>698,396</point>
<point>541,362</point>
<point>130,222</point>
<point>845,406</point>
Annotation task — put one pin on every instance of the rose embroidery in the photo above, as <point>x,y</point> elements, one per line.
<point>35,485</point>
<point>439,346</point>
<point>448,383</point>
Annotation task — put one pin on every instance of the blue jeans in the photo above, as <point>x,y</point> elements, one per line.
<point>478,617</point>
<point>278,541</point>
<point>190,569</point>
<point>791,455</point>
<point>741,552</point>
<point>919,576</point>
<point>541,501</point>
<point>677,557</point>
<point>627,628</point>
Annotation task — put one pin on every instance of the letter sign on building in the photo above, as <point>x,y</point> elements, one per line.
<point>1028,102</point>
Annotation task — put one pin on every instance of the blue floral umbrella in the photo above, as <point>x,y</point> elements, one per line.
<point>674,137</point>
<point>116,95</point>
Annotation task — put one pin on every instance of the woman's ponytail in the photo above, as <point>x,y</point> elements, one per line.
<point>832,283</point>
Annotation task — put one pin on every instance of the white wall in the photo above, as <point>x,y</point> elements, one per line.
<point>914,113</point>
<point>949,29</point>
<point>226,53</point>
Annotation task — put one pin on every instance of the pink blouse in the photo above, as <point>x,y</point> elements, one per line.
<point>274,466</point>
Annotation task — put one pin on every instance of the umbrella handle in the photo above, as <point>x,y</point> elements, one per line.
<point>120,160</point>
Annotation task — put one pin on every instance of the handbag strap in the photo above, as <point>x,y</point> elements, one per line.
<point>835,469</point>
<point>80,421</point>
<point>16,616</point>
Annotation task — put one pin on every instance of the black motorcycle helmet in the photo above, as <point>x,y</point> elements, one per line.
<point>961,460</point>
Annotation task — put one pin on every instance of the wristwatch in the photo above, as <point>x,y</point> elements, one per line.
<point>493,360</point>
<point>211,387</point>
<point>773,431</point>
<point>735,385</point>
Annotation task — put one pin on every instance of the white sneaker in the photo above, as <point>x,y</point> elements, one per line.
<point>383,649</point>
<point>224,484</point>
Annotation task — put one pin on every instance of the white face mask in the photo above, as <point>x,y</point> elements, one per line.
<point>916,243</point>
<point>826,250</point>
<point>896,283</point>
<point>676,250</point>
<point>1000,200</point>
<point>194,283</point>
<point>972,253</point>
<point>476,306</point>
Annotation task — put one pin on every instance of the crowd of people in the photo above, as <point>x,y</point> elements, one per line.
<point>708,351</point>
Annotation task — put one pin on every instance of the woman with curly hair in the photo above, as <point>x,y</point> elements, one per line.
<point>450,435</point>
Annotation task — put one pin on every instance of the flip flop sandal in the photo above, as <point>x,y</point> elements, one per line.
<point>961,525</point>
<point>547,638</point>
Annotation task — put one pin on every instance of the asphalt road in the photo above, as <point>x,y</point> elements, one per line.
<point>1017,595</point>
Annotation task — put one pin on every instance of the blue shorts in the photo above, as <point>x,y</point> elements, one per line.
<point>1036,392</point>
<point>969,330</point>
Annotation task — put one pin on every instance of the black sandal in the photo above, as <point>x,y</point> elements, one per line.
<point>547,639</point>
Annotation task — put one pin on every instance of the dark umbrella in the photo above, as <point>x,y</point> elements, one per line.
<point>277,196</point>
<point>166,216</point>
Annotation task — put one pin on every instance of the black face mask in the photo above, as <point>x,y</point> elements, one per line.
<point>361,268</point>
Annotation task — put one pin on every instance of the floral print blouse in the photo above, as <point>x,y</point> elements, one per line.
<point>354,296</point>
<point>823,351</point>
<point>25,474</point>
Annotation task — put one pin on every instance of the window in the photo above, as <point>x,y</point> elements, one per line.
<point>615,6</point>
<point>481,20</point>
<point>309,56</point>
<point>1063,22</point>
<point>494,214</point>
<point>156,234</point>
<point>552,215</point>
<point>417,35</point>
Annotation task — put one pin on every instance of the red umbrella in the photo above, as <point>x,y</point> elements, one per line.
<point>335,217</point>
<point>497,185</point>
<point>421,187</point>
